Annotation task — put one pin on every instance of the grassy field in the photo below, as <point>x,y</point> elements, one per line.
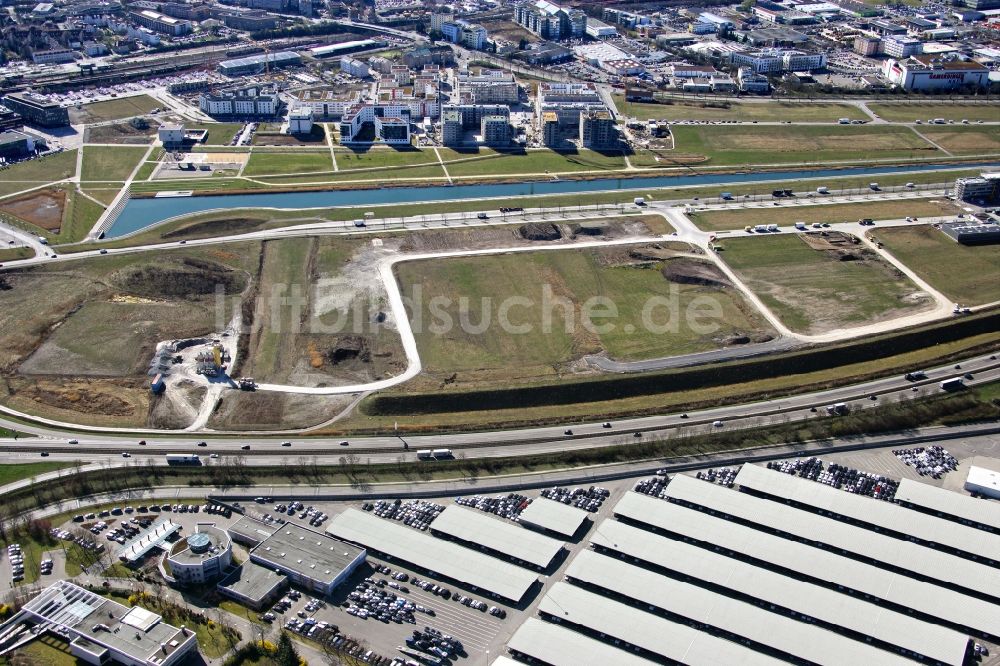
<point>813,291</point>
<point>966,274</point>
<point>17,472</point>
<point>734,145</point>
<point>110,163</point>
<point>419,171</point>
<point>957,111</point>
<point>461,330</point>
<point>964,140</point>
<point>35,172</point>
<point>744,111</point>
<point>718,220</point>
<point>219,134</point>
<point>105,195</point>
<point>381,156</point>
<point>80,216</point>
<point>538,161</point>
<point>115,109</point>
<point>15,254</point>
<point>288,162</point>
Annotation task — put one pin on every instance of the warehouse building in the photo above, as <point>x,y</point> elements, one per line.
<point>440,557</point>
<point>344,48</point>
<point>256,64</point>
<point>249,531</point>
<point>200,558</point>
<point>481,530</point>
<point>559,646</point>
<point>951,505</point>
<point>253,586</point>
<point>972,233</point>
<point>928,72</point>
<point>102,631</point>
<point>983,481</point>
<point>315,561</point>
<point>37,110</point>
<point>548,515</point>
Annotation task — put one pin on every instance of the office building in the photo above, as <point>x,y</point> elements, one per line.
<point>171,134</point>
<point>317,562</point>
<point>867,46</point>
<point>981,188</point>
<point>200,558</point>
<point>750,81</point>
<point>300,120</point>
<point>376,123</point>
<point>37,110</point>
<point>15,145</point>
<point>901,46</point>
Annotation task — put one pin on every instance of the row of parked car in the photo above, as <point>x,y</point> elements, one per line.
<point>143,508</point>
<point>433,642</point>
<point>653,487</point>
<point>324,632</point>
<point>589,499</point>
<point>370,599</point>
<point>509,506</point>
<point>725,476</point>
<point>315,516</point>
<point>932,460</point>
<point>418,514</point>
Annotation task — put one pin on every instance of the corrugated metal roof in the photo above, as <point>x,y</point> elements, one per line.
<point>560,646</point>
<point>444,557</point>
<point>851,538</point>
<point>672,640</point>
<point>903,631</point>
<point>554,516</point>
<point>813,562</point>
<point>869,510</point>
<point>498,535</point>
<point>964,507</point>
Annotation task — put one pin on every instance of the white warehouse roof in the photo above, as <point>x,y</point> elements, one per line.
<point>851,538</point>
<point>810,561</point>
<point>843,610</point>
<point>553,516</point>
<point>800,639</point>
<point>559,646</point>
<point>498,535</point>
<point>869,510</point>
<point>437,555</point>
<point>963,507</point>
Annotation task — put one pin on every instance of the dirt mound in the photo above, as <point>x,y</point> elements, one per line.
<point>86,398</point>
<point>540,231</point>
<point>216,227</point>
<point>349,348</point>
<point>192,277</point>
<point>590,229</point>
<point>655,252</point>
<point>685,271</point>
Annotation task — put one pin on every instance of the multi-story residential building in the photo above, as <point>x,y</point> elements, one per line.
<point>550,21</point>
<point>52,56</point>
<point>568,100</point>
<point>300,120</point>
<point>158,22</point>
<point>248,102</point>
<point>773,61</point>
<point>597,130</point>
<point>488,87</point>
<point>354,67</point>
<point>751,81</point>
<point>330,104</point>
<point>867,46</point>
<point>551,132</point>
<point>183,10</point>
<point>457,31</point>
<point>376,123</point>
<point>37,110</point>
<point>456,119</point>
<point>496,130</point>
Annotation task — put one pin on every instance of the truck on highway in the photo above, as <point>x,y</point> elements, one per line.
<point>726,196</point>
<point>839,408</point>
<point>435,454</point>
<point>639,201</point>
<point>953,384</point>
<point>425,454</point>
<point>183,459</point>
<point>822,189</point>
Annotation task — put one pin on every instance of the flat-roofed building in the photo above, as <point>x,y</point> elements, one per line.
<point>496,130</point>
<point>597,130</point>
<point>550,516</point>
<point>972,233</point>
<point>253,586</point>
<point>256,64</point>
<point>171,134</point>
<point>158,22</point>
<point>930,72</point>
<point>499,536</point>
<point>15,144</point>
<point>749,582</point>
<point>37,110</point>
<point>101,630</point>
<point>568,100</point>
<point>494,86</point>
<point>315,561</point>
<point>984,187</point>
<point>243,102</point>
<point>330,103</point>
<point>949,504</point>
<point>250,531</point>
<point>201,557</point>
<point>883,516</point>
<point>558,646</point>
<point>445,558</point>
<point>983,481</point>
<point>376,123</point>
<point>300,120</point>
<point>810,559</point>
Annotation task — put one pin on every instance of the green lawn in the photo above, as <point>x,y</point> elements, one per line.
<point>46,651</point>
<point>771,144</point>
<point>419,171</point>
<point>145,171</point>
<point>78,559</point>
<point>14,254</point>
<point>814,291</point>
<point>556,285</point>
<point>737,218</point>
<point>965,140</point>
<point>38,171</point>
<point>382,156</point>
<point>16,472</point>
<point>79,217</point>
<point>116,109</point>
<point>903,112</point>
<point>219,134</point>
<point>966,274</point>
<point>744,111</point>
<point>112,163</point>
<point>288,162</point>
<point>536,162</point>
<point>105,194</point>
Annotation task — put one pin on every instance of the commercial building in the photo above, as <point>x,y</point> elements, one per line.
<point>315,561</point>
<point>492,534</point>
<point>983,481</point>
<point>548,515</point>
<point>100,630</point>
<point>354,67</point>
<point>773,61</point>
<point>490,86</point>
<point>972,233</point>
<point>158,22</point>
<point>550,21</point>
<point>37,110</point>
<point>253,585</point>
<point>598,131</point>
<point>600,30</point>
<point>250,20</point>
<point>867,46</point>
<point>463,565</point>
<point>249,531</point>
<point>171,134</point>
<point>15,144</point>
<point>546,53</point>
<point>256,64</point>
<point>343,48</point>
<point>200,558</point>
<point>901,46</point>
<point>376,123</point>
<point>751,81</point>
<point>935,73</point>
<point>247,102</point>
<point>984,187</point>
<point>300,120</point>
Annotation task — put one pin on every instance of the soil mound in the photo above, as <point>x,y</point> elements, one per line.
<point>192,277</point>
<point>694,272</point>
<point>349,348</point>
<point>540,231</point>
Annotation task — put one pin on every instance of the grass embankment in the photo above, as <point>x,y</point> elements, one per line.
<point>679,109</point>
<point>818,290</point>
<point>800,144</point>
<point>299,161</point>
<point>965,273</point>
<point>907,112</point>
<point>109,163</point>
<point>36,172</point>
<point>737,218</point>
<point>962,140</point>
<point>19,471</point>
<point>535,161</point>
<point>15,254</point>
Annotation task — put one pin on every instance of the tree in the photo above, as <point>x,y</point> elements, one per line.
<point>286,655</point>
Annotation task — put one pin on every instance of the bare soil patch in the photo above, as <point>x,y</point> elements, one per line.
<point>248,410</point>
<point>42,208</point>
<point>687,271</point>
<point>540,231</point>
<point>187,278</point>
<point>177,407</point>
